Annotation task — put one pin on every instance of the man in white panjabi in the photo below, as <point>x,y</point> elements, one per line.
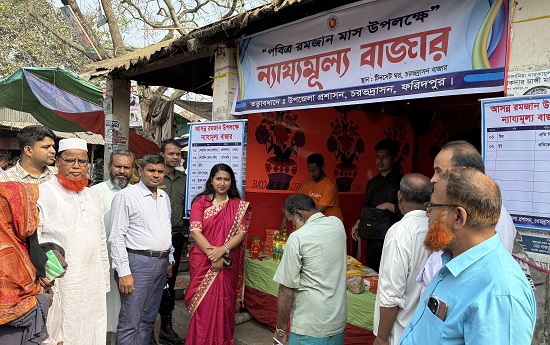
<point>121,166</point>
<point>71,215</point>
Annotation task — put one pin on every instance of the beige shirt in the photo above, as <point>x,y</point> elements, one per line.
<point>18,174</point>
<point>314,265</point>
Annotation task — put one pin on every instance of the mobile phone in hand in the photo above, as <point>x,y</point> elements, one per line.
<point>438,307</point>
<point>229,260</point>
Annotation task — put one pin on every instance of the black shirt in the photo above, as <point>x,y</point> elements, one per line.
<point>381,189</point>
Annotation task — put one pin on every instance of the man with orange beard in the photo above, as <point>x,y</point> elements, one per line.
<point>481,295</point>
<point>71,215</point>
<point>457,154</point>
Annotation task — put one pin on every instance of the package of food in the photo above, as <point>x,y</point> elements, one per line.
<point>355,284</point>
<point>269,234</point>
<point>368,272</point>
<point>54,265</point>
<point>353,261</point>
<point>371,283</point>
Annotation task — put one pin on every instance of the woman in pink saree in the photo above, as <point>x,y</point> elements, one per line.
<point>219,222</point>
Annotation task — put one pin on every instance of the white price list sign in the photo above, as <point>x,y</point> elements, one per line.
<point>516,152</point>
<point>211,143</point>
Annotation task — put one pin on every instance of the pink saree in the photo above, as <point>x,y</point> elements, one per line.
<point>211,296</point>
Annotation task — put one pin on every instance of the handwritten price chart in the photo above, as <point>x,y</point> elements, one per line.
<point>517,155</point>
<point>211,143</point>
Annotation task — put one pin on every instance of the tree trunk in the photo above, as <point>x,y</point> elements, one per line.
<point>116,37</point>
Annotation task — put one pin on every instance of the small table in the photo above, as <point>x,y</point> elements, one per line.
<point>261,301</point>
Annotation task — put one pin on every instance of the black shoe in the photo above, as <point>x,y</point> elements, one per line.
<point>167,335</point>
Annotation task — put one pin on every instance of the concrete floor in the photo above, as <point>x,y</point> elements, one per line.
<point>250,332</point>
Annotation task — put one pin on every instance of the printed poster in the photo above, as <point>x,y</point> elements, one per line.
<point>516,151</point>
<point>279,143</point>
<point>211,143</point>
<point>528,83</point>
<point>136,120</point>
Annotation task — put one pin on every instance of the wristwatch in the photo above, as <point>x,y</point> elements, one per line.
<point>280,332</point>
<point>226,249</point>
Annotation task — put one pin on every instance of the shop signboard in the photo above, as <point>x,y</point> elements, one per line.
<point>516,152</point>
<point>374,51</point>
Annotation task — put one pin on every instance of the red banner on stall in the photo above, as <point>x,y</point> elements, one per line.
<point>279,143</point>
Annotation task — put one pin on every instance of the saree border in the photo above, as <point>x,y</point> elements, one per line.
<point>208,279</point>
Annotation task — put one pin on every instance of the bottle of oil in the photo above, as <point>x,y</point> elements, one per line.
<point>282,244</point>
<point>277,247</point>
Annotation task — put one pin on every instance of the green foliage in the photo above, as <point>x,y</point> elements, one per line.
<point>25,43</point>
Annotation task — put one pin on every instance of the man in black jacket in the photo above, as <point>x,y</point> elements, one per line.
<point>381,193</point>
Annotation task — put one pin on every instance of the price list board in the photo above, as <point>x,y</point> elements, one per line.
<point>516,152</point>
<point>211,143</point>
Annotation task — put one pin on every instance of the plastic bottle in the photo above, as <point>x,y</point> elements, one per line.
<point>255,248</point>
<point>284,236</point>
<point>282,244</point>
<point>276,247</point>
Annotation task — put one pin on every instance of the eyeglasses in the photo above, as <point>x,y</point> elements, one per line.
<point>72,161</point>
<point>428,205</point>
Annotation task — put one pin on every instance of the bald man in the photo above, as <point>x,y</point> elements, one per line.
<point>462,154</point>
<point>481,295</point>
<point>403,256</point>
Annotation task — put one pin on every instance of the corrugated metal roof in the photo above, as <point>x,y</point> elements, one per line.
<point>125,61</point>
<point>168,47</point>
<point>15,120</point>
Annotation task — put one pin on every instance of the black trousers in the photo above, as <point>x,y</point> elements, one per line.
<point>373,253</point>
<point>167,303</point>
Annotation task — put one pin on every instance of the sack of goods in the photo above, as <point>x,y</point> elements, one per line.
<point>355,284</point>
<point>357,272</point>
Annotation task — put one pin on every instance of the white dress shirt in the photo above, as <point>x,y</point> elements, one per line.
<point>139,222</point>
<point>403,256</point>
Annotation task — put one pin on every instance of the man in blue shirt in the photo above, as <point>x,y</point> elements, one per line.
<point>481,295</point>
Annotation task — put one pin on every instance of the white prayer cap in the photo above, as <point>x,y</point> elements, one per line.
<point>72,143</point>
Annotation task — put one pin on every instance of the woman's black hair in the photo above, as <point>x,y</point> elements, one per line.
<point>233,192</point>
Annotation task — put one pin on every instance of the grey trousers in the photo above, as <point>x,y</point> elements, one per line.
<point>138,311</point>
<point>29,329</point>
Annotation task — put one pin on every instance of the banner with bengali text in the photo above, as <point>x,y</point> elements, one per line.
<point>375,51</point>
<point>516,152</point>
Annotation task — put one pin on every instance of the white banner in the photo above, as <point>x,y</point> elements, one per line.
<point>528,83</point>
<point>516,151</point>
<point>375,51</point>
<point>211,143</point>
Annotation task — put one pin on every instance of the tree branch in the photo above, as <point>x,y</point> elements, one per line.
<point>174,16</point>
<point>231,10</point>
<point>46,25</point>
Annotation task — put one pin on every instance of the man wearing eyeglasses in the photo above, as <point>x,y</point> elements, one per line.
<point>71,215</point>
<point>456,154</point>
<point>480,295</point>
